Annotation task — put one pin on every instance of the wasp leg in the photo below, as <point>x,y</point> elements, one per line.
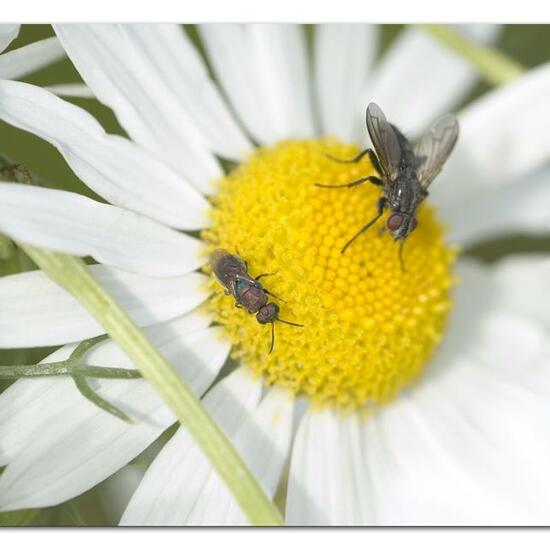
<point>265,275</point>
<point>381,206</point>
<point>372,179</point>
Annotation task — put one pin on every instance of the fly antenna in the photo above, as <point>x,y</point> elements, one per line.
<point>274,295</point>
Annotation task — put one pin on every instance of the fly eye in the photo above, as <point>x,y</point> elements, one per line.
<point>394,221</point>
<point>268,313</point>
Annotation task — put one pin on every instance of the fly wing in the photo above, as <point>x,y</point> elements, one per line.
<point>435,147</point>
<point>385,141</point>
<point>226,267</point>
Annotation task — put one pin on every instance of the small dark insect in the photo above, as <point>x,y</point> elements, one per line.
<point>405,174</point>
<point>232,272</point>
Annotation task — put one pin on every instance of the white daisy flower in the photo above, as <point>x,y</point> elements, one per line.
<point>377,422</point>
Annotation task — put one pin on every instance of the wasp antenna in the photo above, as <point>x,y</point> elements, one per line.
<point>272,337</point>
<point>289,323</point>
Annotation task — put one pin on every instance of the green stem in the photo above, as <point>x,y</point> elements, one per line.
<point>72,275</point>
<point>78,371</point>
<point>493,66</point>
<point>13,372</point>
<point>65,368</point>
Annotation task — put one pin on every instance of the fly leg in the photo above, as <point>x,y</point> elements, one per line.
<point>381,206</point>
<point>401,262</point>
<point>372,179</point>
<point>372,157</point>
<point>265,289</point>
<point>245,262</point>
<point>265,275</point>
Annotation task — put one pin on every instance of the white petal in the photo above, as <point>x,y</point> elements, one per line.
<point>462,438</point>
<point>174,337</point>
<point>344,54</point>
<point>522,283</point>
<point>282,76</point>
<point>263,441</point>
<point>111,165</point>
<point>169,491</point>
<point>185,76</point>
<point>8,32</point>
<point>451,450</point>
<point>270,61</point>
<point>124,74</point>
<point>328,482</point>
<point>419,78</point>
<point>36,312</point>
<point>231,57</point>
<point>71,89</point>
<point>470,449</point>
<point>503,137</point>
<point>486,310</point>
<point>30,58</point>
<point>58,444</point>
<point>56,464</point>
<point>523,206</point>
<point>73,224</point>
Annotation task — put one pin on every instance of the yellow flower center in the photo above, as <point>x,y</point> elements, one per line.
<point>369,327</point>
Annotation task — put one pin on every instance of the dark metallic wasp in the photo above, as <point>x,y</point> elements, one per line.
<point>405,174</point>
<point>232,272</point>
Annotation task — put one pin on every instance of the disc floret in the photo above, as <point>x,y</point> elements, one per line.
<point>369,327</point>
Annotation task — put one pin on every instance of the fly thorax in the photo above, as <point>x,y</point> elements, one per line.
<point>251,297</point>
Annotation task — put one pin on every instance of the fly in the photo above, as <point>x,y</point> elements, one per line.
<point>404,174</point>
<point>232,272</point>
